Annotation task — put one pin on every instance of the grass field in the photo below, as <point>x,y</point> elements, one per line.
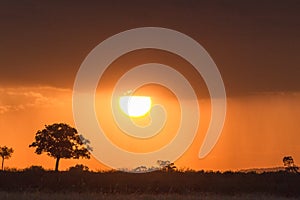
<point>99,196</point>
<point>77,185</point>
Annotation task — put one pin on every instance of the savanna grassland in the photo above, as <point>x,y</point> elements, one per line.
<point>97,196</point>
<point>39,184</point>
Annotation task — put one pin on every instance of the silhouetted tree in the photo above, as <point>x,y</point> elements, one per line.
<point>166,166</point>
<point>5,153</point>
<point>61,141</point>
<point>289,164</point>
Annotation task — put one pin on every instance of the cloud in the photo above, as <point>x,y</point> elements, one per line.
<point>21,98</point>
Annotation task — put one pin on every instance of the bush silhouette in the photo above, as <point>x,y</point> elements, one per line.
<point>79,168</point>
<point>35,168</point>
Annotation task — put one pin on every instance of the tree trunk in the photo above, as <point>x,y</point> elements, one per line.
<point>2,164</point>
<point>56,164</point>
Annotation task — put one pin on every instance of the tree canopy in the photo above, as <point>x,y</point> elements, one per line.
<point>60,140</point>
<point>289,164</point>
<point>166,165</point>
<point>5,153</point>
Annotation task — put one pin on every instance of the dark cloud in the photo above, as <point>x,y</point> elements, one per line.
<point>255,44</point>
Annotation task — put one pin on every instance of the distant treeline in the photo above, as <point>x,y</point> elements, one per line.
<point>276,183</point>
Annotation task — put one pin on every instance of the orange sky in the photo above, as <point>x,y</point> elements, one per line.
<point>259,129</point>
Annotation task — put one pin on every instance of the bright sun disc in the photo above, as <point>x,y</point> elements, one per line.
<point>135,106</point>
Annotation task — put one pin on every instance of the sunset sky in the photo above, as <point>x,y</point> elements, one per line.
<point>255,45</point>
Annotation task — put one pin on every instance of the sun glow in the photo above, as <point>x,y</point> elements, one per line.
<point>135,106</point>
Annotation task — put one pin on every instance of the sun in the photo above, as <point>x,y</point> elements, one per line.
<point>135,106</point>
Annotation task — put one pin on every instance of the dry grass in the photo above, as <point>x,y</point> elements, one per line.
<point>98,196</point>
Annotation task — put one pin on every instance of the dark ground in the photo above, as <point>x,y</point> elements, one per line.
<point>280,184</point>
